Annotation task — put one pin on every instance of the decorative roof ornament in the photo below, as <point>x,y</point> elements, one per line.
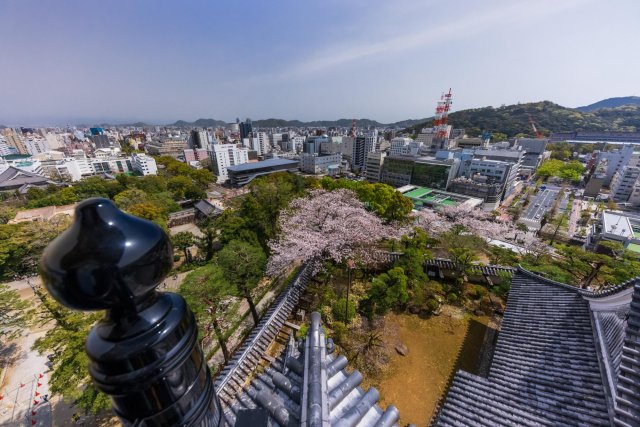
<point>144,353</point>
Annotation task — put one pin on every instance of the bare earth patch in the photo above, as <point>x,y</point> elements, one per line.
<point>437,347</point>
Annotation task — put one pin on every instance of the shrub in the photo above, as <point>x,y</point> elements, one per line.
<point>452,298</point>
<point>433,304</point>
<point>338,310</point>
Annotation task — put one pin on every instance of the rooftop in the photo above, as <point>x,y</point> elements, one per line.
<point>428,196</point>
<point>263,164</point>
<point>617,224</point>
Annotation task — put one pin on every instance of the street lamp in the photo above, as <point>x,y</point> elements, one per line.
<point>350,266</point>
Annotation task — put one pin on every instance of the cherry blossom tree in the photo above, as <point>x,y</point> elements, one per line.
<point>329,225</point>
<point>478,222</point>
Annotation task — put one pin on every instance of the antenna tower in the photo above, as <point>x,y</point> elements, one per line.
<point>441,120</point>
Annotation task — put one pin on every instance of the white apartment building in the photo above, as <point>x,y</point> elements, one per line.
<point>225,155</point>
<point>36,145</point>
<point>78,167</point>
<point>404,147</point>
<point>613,161</point>
<point>623,183</point>
<point>263,143</point>
<point>143,164</point>
<point>5,148</point>
<point>54,140</point>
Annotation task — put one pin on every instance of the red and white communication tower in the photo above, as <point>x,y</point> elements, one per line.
<point>441,120</point>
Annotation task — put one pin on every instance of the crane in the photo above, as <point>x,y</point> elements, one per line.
<point>539,134</point>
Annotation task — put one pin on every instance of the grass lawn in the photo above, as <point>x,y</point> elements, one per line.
<point>438,346</point>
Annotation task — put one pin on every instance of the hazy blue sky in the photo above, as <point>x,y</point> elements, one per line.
<point>159,61</point>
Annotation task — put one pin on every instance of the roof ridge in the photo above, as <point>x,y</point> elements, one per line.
<point>546,280</point>
<point>627,411</point>
<point>612,290</point>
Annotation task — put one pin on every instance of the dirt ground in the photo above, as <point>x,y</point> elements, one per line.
<point>438,346</point>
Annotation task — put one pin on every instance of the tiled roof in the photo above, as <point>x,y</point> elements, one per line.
<point>627,411</point>
<point>545,369</point>
<point>15,178</point>
<point>246,359</point>
<point>307,385</point>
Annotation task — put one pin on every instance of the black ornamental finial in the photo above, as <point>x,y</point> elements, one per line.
<point>145,351</point>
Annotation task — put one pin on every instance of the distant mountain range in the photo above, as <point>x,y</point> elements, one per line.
<point>611,103</point>
<point>613,114</point>
<point>548,117</point>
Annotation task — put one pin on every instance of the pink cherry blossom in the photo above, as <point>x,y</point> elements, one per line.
<point>329,225</point>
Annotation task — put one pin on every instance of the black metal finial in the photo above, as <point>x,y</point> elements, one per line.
<point>145,352</point>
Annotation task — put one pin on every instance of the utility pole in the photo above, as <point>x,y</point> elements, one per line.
<point>350,266</point>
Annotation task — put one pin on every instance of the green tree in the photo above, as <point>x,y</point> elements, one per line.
<point>130,197</point>
<point>183,241</point>
<point>384,200</point>
<point>463,249</point>
<point>179,186</point>
<point>14,314</point>
<point>148,211</point>
<point>66,340</point>
<point>499,137</point>
<point>388,290</point>
<point>549,168</point>
<point>243,265</point>
<point>204,289</point>
<point>21,245</point>
<point>338,310</point>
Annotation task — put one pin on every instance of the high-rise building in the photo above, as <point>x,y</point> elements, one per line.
<point>36,145</point>
<point>16,140</point>
<point>373,168</point>
<point>6,149</point>
<point>362,146</point>
<point>246,129</point>
<point>225,155</point>
<point>264,144</point>
<point>313,143</point>
<point>199,139</point>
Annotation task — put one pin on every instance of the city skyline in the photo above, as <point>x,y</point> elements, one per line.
<point>89,62</point>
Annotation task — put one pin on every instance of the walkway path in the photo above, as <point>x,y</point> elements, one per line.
<point>574,216</point>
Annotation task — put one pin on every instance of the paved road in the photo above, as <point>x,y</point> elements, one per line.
<point>25,385</point>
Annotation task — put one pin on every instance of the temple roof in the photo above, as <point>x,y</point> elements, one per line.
<point>307,385</point>
<point>559,360</point>
<point>13,178</point>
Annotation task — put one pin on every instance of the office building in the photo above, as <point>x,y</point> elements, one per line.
<point>224,156</point>
<point>143,164</point>
<point>404,147</point>
<point>399,171</point>
<point>263,143</point>
<point>624,182</point>
<point>533,151</point>
<point>167,146</point>
<point>243,174</point>
<point>35,145</point>
<point>246,129</point>
<point>592,137</point>
<point>363,145</point>
<point>319,164</point>
<point>313,143</point>
<point>374,164</point>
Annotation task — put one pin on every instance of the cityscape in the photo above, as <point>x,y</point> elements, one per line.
<point>476,266</point>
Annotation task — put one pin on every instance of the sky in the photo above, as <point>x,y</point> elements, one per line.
<point>83,61</point>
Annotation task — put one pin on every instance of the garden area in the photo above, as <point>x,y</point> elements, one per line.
<point>407,334</point>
